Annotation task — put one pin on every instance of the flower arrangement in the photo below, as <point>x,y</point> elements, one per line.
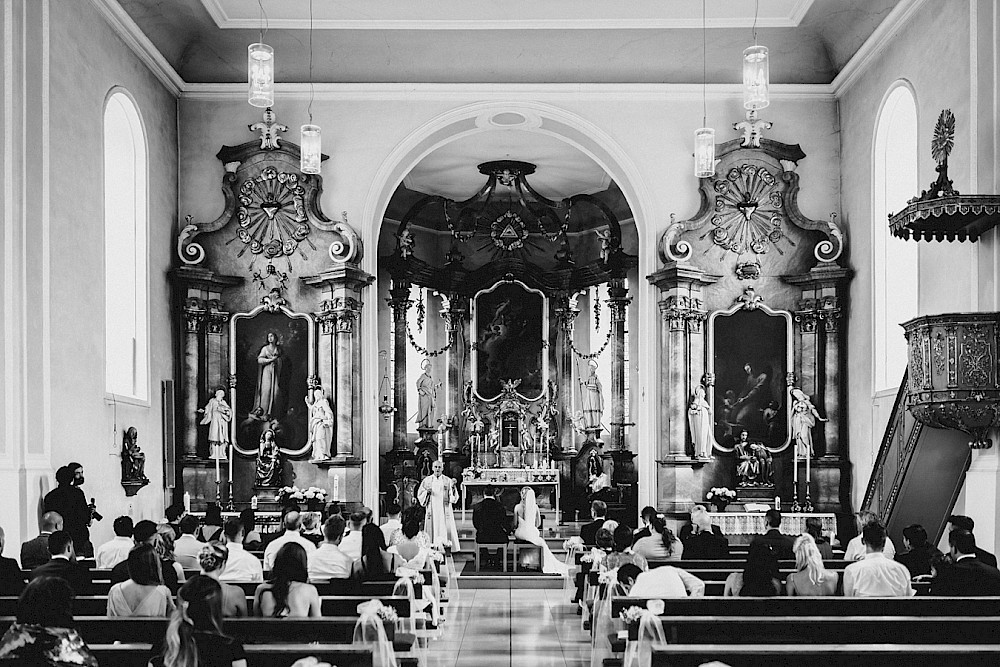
<point>631,615</point>
<point>574,543</point>
<point>720,493</point>
<point>437,556</point>
<point>293,494</point>
<point>472,472</point>
<point>609,577</point>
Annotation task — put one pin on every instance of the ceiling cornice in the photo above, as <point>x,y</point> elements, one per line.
<point>136,39</point>
<point>655,92</point>
<point>874,45</point>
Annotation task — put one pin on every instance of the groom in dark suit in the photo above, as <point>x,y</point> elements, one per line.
<point>490,520</point>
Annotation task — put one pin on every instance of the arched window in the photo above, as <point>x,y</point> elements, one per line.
<point>894,261</point>
<point>125,218</point>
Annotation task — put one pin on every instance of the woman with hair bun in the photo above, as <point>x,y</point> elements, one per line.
<point>213,558</point>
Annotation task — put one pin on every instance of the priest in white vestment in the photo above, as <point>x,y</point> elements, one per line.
<point>437,493</point>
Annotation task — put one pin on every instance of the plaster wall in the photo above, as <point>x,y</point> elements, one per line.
<point>65,414</point>
<point>949,60</point>
<point>649,128</point>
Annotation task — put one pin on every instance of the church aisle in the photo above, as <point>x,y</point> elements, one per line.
<point>515,627</point>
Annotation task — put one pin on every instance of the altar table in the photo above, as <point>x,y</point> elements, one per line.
<point>483,482</point>
<point>753,523</point>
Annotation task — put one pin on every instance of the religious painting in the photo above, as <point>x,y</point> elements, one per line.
<point>510,322</point>
<point>750,356</point>
<point>272,358</point>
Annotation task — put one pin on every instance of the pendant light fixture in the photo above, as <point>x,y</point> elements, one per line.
<point>310,150</point>
<point>260,69</point>
<point>756,77</point>
<point>704,137</point>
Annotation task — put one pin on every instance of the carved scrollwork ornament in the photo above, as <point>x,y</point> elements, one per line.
<point>750,300</point>
<point>830,249</point>
<point>187,251</point>
<point>346,246</point>
<point>671,248</point>
<point>273,301</point>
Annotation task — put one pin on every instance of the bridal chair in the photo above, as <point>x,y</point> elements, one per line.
<point>521,545</point>
<point>501,547</point>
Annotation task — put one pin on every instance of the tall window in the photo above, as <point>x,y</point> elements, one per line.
<point>125,220</point>
<point>894,261</point>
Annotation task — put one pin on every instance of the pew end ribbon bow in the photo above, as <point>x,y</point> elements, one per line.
<point>651,635</point>
<point>369,632</point>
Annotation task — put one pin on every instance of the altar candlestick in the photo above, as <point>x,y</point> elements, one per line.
<point>795,472</point>
<point>218,478</point>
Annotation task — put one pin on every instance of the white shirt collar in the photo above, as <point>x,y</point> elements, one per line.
<point>875,554</point>
<point>964,556</point>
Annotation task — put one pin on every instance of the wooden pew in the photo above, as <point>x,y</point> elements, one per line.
<point>105,575</point>
<point>260,655</point>
<point>345,605</point>
<point>820,606</point>
<point>829,655</point>
<point>331,630</point>
<point>338,587</point>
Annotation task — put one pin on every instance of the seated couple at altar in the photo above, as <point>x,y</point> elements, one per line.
<point>490,520</point>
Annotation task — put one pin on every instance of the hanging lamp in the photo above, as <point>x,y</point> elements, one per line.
<point>756,74</point>
<point>310,150</point>
<point>704,137</point>
<point>260,69</point>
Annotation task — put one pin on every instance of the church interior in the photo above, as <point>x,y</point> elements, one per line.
<point>621,262</point>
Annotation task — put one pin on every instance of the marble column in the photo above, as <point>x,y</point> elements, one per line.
<point>618,301</point>
<point>216,345</point>
<point>194,319</point>
<point>399,301</point>
<point>565,312</point>
<point>832,376</point>
<point>455,314</point>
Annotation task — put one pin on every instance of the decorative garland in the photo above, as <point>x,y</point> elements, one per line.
<point>597,309</point>
<point>592,355</point>
<point>423,350</point>
<point>420,311</point>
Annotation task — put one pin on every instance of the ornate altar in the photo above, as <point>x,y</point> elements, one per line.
<point>270,291</point>
<point>751,309</point>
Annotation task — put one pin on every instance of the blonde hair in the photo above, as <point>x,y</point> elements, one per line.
<point>808,558</point>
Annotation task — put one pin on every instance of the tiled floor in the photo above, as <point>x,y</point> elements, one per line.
<point>519,628</point>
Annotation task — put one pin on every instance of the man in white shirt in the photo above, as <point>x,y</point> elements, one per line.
<point>856,548</point>
<point>116,550</point>
<point>240,566</point>
<point>876,575</point>
<point>293,523</point>
<point>392,524</point>
<point>187,547</point>
<point>351,544</point>
<point>667,581</point>
<point>328,561</point>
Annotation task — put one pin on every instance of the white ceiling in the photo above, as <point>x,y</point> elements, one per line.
<point>510,15</point>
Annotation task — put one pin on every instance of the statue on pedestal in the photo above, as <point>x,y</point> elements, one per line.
<point>804,416</point>
<point>217,415</point>
<point>133,459</point>
<point>755,466</point>
<point>700,422</point>
<point>592,399</point>
<point>320,424</point>
<point>268,461</point>
<point>426,396</point>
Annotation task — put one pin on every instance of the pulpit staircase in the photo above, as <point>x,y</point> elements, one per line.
<point>918,473</point>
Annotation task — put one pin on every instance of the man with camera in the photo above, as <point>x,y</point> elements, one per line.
<point>68,500</point>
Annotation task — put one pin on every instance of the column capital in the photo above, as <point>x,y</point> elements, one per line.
<point>455,311</point>
<point>195,314</point>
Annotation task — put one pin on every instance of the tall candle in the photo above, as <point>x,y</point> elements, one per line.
<point>216,457</point>
<point>187,501</point>
<point>231,452</point>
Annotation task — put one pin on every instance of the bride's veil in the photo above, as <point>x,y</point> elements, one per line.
<point>530,506</point>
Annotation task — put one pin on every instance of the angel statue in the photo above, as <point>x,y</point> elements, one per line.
<point>804,416</point>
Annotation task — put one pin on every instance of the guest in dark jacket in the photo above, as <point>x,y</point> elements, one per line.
<point>779,544</point>
<point>588,532</point>
<point>966,575</point>
<point>490,519</point>
<point>63,563</point>
<point>919,552</point>
<point>11,577</point>
<point>961,522</point>
<point>35,551</point>
<point>68,500</point>
<point>704,540</point>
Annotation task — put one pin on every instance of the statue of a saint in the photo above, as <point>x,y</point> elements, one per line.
<point>426,395</point>
<point>267,397</point>
<point>748,468</point>
<point>320,424</point>
<point>591,398</point>
<point>217,415</point>
<point>765,464</point>
<point>700,422</point>
<point>133,459</point>
<point>268,461</point>
<point>804,416</point>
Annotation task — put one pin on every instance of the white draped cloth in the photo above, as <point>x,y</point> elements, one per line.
<point>438,493</point>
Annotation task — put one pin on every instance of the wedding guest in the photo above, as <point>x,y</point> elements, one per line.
<point>645,516</point>
<point>43,633</point>
<point>919,552</point>
<point>961,522</point>
<point>116,549</point>
<point>328,561</point>
<point>213,560</point>
<point>311,528</point>
<point>35,551</point>
<point>212,527</point>
<point>661,544</point>
<point>163,542</point>
<point>810,578</point>
<point>588,532</point>
<point>966,575</point>
<point>704,540</point>
<point>68,500</point>
<point>760,576</point>
<point>412,513</point>
<point>856,548</point>
<point>410,550</point>
<point>375,563</point>
<point>187,547</point>
<point>351,544</point>
<point>63,563</point>
<point>627,574</point>
<point>779,544</point>
<point>292,524</point>
<point>194,635</point>
<point>11,575</point>
<point>667,581</point>
<point>174,514</point>
<point>288,593</point>
<point>392,522</point>
<point>623,552</point>
<point>876,575</point>
<point>145,533</point>
<point>143,594</point>
<point>252,539</point>
<point>240,566</point>
<point>700,522</point>
<point>814,527</point>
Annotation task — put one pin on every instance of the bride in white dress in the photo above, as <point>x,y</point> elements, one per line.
<point>526,523</point>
